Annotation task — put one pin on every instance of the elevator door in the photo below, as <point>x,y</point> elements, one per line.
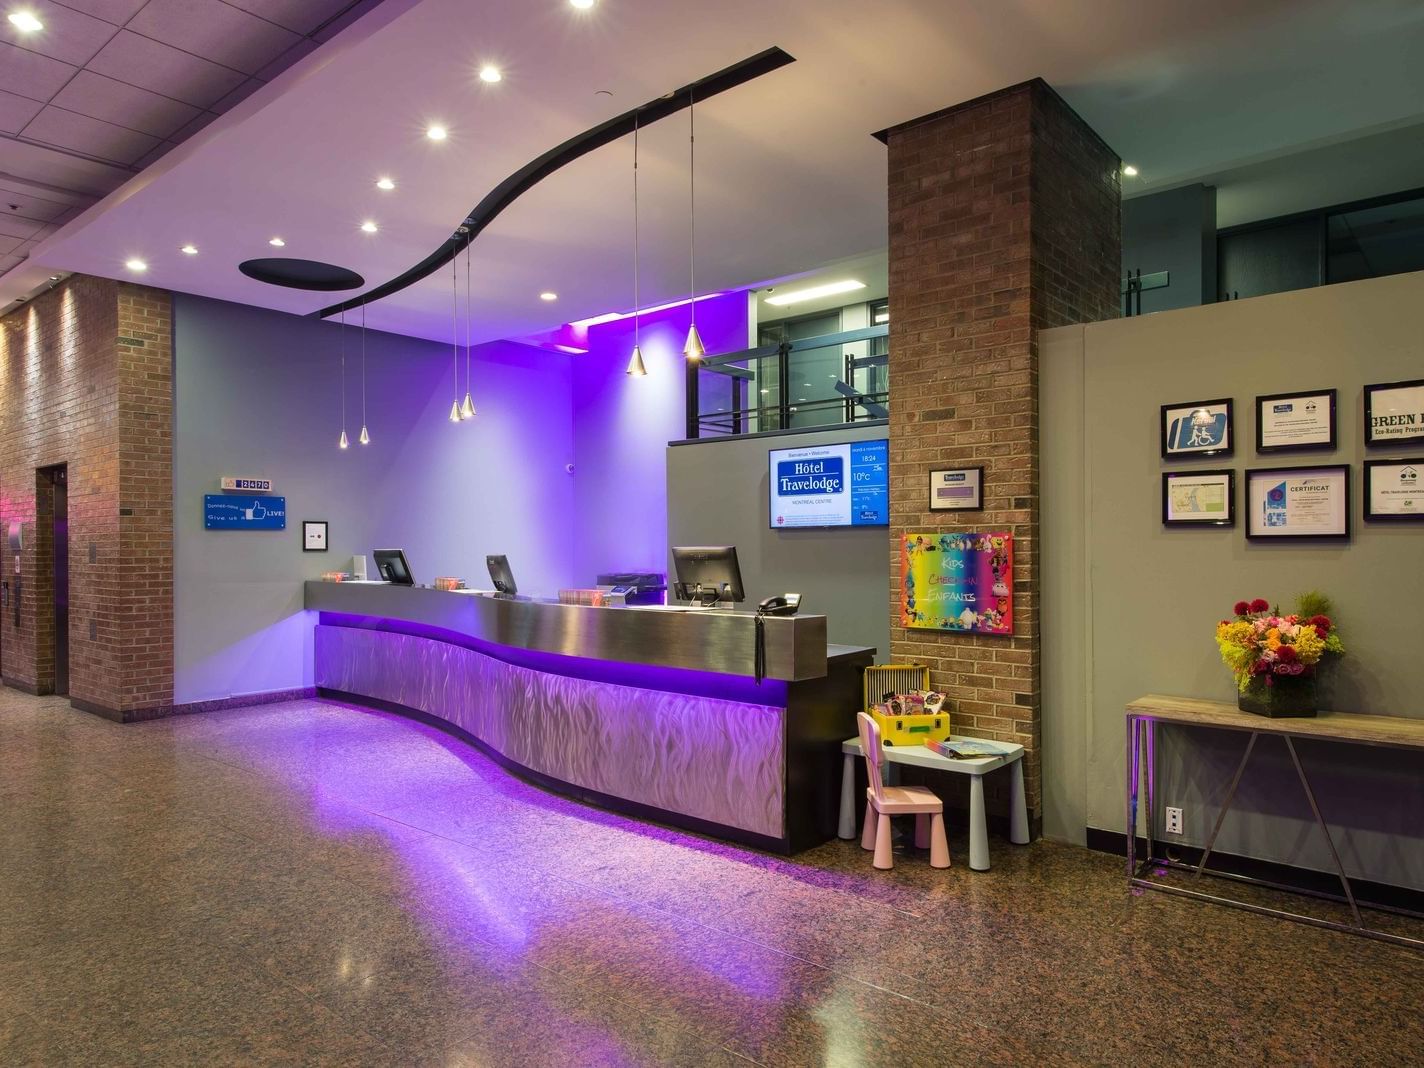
<point>59,480</point>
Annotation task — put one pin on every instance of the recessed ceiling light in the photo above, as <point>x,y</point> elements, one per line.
<point>830,289</point>
<point>582,5</point>
<point>277,242</point>
<point>25,21</point>
<point>136,265</point>
<point>437,132</point>
<point>368,227</point>
<point>547,295</point>
<point>189,250</point>
<point>490,73</point>
<point>54,278</point>
<point>385,183</point>
<point>1129,170</point>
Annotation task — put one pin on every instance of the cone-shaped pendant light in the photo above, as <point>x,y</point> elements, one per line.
<point>341,442</point>
<point>636,367</point>
<point>467,409</point>
<point>365,436</point>
<point>694,350</point>
<point>455,333</point>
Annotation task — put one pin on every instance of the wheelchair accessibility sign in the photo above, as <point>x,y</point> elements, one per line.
<point>225,511</point>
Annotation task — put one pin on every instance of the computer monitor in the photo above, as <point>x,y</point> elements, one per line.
<point>708,573</point>
<point>501,575</point>
<point>391,566</point>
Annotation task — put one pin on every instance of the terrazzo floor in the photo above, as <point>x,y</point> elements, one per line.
<point>311,883</point>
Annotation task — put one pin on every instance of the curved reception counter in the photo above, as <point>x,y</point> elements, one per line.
<point>708,719</point>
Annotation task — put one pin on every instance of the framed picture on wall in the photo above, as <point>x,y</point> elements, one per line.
<point>313,535</point>
<point>1394,489</point>
<point>1298,502</point>
<point>957,489</point>
<point>1199,498</point>
<point>1288,421</point>
<point>1197,428</point>
<point>1394,413</point>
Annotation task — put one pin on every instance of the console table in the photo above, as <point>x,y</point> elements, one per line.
<point>1143,716</point>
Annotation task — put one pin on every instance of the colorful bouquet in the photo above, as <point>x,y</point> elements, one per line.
<point>1263,644</point>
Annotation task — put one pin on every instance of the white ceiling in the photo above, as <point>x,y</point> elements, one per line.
<point>109,86</point>
<point>788,173</point>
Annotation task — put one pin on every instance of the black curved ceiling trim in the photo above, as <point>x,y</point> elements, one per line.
<point>532,173</point>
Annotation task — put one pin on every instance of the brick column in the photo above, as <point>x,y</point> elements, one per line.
<point>86,381</point>
<point>1004,220</point>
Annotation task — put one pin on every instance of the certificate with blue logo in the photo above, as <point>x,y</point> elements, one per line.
<point>1287,421</point>
<point>1298,502</point>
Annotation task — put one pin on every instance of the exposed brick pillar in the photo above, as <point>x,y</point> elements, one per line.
<point>1004,220</point>
<point>86,381</point>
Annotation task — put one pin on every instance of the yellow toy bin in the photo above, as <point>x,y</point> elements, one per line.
<point>909,728</point>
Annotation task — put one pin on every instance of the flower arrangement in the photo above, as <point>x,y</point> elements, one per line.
<point>1261,644</point>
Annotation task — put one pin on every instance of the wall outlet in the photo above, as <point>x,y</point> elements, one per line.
<point>1174,820</point>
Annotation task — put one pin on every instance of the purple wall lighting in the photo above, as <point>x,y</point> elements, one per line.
<point>622,426</point>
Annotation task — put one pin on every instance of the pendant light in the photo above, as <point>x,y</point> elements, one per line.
<point>365,437</point>
<point>467,409</point>
<point>694,350</point>
<point>342,442</point>
<point>636,367</point>
<point>455,334</point>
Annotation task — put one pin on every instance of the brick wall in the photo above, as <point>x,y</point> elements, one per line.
<point>1003,220</point>
<point>86,380</point>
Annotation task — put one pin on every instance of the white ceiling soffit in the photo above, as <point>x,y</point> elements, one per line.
<point>788,173</point>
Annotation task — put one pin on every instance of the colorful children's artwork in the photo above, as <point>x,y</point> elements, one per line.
<point>959,582</point>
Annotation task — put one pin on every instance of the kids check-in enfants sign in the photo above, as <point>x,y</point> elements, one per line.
<point>961,582</point>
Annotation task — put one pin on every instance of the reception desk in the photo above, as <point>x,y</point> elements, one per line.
<point>665,713</point>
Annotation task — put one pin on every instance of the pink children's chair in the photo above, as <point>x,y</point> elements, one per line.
<point>882,802</point>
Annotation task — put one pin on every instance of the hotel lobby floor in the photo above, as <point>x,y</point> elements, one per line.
<point>309,883</point>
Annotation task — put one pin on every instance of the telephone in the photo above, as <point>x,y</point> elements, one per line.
<point>785,605</point>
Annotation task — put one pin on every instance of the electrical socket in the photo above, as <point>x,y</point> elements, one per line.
<point>1174,820</point>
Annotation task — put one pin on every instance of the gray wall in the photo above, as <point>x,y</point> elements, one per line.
<point>1173,231</point>
<point>717,495</point>
<point>257,393</point>
<point>1129,607</point>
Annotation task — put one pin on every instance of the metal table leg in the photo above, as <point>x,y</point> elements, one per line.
<point>846,827</point>
<point>1310,795</point>
<point>1226,804</point>
<point>1132,732</point>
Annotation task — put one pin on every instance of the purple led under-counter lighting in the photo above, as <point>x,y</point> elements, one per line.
<point>738,688</point>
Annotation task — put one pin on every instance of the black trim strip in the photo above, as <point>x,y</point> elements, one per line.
<point>532,173</point>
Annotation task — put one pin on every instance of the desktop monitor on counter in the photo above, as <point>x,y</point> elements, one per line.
<point>708,573</point>
<point>501,575</point>
<point>391,566</point>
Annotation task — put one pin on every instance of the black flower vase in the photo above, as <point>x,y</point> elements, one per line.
<point>1280,696</point>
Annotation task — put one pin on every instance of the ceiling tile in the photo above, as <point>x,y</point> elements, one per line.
<point>125,105</point>
<point>301,16</point>
<point>182,134</point>
<point>68,36</point>
<point>8,245</point>
<point>116,11</point>
<point>214,30</point>
<point>79,133</point>
<point>156,152</point>
<point>15,111</point>
<point>238,95</point>
<point>300,50</point>
<point>31,74</point>
<point>157,67</point>
<point>15,225</point>
<point>28,206</point>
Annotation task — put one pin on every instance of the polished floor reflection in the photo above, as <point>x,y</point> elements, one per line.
<point>309,883</point>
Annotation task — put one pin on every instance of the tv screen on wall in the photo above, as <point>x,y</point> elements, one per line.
<point>830,485</point>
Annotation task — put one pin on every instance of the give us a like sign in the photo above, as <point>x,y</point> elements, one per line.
<point>227,511</point>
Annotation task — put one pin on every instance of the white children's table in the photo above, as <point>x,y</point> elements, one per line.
<point>922,756</point>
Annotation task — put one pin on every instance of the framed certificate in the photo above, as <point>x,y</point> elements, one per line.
<point>1394,413</point>
<point>959,489</point>
<point>1286,421</point>
<point>1298,502</point>
<point>1197,428</point>
<point>1393,489</point>
<point>1199,498</point>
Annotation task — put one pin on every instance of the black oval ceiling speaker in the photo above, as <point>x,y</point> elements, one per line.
<point>301,274</point>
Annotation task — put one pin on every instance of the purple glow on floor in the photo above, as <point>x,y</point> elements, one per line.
<point>746,690</point>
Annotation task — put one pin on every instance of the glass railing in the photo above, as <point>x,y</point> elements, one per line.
<point>829,380</point>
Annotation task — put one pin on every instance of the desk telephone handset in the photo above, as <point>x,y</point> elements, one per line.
<point>785,605</point>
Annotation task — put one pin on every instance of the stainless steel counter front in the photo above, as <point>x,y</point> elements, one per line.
<point>696,639</point>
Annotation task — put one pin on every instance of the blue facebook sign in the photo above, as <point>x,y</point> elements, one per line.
<point>230,512</point>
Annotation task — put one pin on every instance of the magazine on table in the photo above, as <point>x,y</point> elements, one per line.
<point>969,748</point>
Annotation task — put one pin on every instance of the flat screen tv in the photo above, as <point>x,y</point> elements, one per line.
<point>830,485</point>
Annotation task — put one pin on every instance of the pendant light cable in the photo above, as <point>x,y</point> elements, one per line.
<point>365,437</point>
<point>455,331</point>
<point>636,307</point>
<point>694,349</point>
<point>467,409</point>
<point>341,442</point>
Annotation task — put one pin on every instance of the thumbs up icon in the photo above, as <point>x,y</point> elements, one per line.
<point>257,511</point>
